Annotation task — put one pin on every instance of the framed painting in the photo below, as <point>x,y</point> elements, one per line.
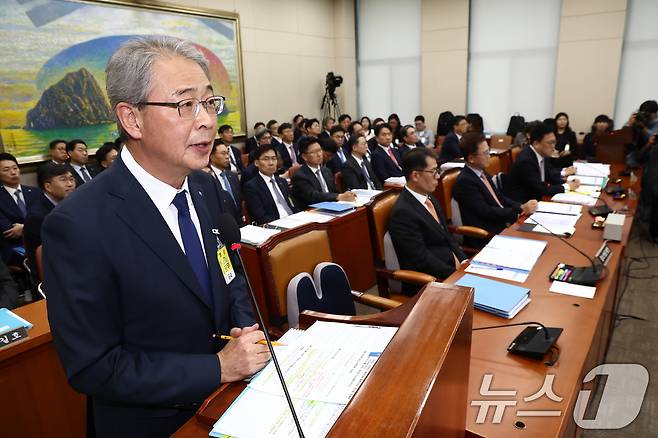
<point>52,74</point>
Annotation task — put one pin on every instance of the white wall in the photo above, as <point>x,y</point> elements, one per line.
<point>639,62</point>
<point>288,46</point>
<point>389,47</point>
<point>512,59</point>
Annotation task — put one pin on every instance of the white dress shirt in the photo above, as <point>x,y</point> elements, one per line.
<point>78,169</point>
<point>12,193</point>
<point>218,173</point>
<point>162,195</point>
<point>419,197</point>
<point>283,210</point>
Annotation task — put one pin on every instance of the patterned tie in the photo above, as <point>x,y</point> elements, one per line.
<point>227,184</point>
<point>192,244</point>
<point>85,175</point>
<point>279,197</point>
<point>390,153</point>
<point>371,185</point>
<point>341,155</point>
<point>485,180</point>
<point>323,183</point>
<point>20,202</point>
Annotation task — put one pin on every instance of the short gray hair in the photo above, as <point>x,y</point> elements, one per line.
<point>129,70</point>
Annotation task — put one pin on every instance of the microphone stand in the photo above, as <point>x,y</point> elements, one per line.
<point>236,248</point>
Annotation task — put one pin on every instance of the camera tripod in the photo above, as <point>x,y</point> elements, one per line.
<point>330,106</point>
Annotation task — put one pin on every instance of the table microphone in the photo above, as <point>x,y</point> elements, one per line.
<point>230,236</point>
<point>587,275</point>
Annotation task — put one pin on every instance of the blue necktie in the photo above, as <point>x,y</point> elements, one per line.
<point>227,184</point>
<point>192,244</point>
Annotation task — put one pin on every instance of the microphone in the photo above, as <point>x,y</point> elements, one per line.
<point>543,327</point>
<point>588,275</point>
<point>530,343</point>
<point>230,234</point>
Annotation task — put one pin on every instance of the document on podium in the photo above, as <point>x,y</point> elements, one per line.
<point>323,369</point>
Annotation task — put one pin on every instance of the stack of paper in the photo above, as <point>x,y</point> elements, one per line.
<point>451,165</point>
<point>495,297</point>
<point>301,218</point>
<point>574,198</point>
<point>549,223</point>
<point>511,258</point>
<point>591,169</point>
<point>256,235</point>
<point>323,368</point>
<point>364,196</point>
<point>557,208</point>
<point>597,181</point>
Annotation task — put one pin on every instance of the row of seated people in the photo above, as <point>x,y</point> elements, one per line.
<point>23,207</point>
<point>418,226</point>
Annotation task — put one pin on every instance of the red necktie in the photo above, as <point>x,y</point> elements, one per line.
<point>392,155</point>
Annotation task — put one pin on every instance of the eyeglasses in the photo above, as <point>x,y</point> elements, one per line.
<point>189,108</point>
<point>434,172</point>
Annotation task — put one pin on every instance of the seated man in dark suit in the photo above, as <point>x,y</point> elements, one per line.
<point>286,149</point>
<point>327,124</point>
<point>481,204</point>
<point>136,268</point>
<point>358,173</point>
<point>79,162</point>
<point>372,142</point>
<point>531,175</point>
<point>234,153</point>
<point>417,225</point>
<point>313,183</point>
<point>450,147</point>
<point>228,181</point>
<point>263,137</point>
<point>338,161</point>
<point>266,194</point>
<point>16,201</point>
<point>408,140</point>
<point>252,143</point>
<point>58,153</point>
<point>386,159</point>
<point>57,183</point>
<point>273,127</point>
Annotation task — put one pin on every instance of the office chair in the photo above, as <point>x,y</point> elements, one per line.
<point>295,251</point>
<point>387,269</point>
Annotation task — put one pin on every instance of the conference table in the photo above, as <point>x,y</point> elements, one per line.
<point>587,324</point>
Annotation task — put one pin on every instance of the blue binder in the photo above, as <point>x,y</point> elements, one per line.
<point>335,207</point>
<point>496,297</point>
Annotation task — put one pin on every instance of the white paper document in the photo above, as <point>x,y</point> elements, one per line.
<point>557,208</point>
<point>498,272</point>
<point>256,414</point>
<point>593,191</point>
<point>576,290</point>
<point>256,235</point>
<point>591,169</point>
<point>323,367</point>
<point>597,181</point>
<point>511,252</point>
<point>301,218</point>
<point>574,198</point>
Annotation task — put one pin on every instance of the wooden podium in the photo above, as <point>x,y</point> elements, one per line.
<point>419,385</point>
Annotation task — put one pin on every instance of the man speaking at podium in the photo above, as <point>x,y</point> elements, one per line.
<point>132,260</point>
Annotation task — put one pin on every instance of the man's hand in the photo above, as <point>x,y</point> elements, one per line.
<point>569,171</point>
<point>529,207</point>
<point>573,184</point>
<point>243,356</point>
<point>347,196</point>
<point>15,232</point>
<point>565,153</point>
